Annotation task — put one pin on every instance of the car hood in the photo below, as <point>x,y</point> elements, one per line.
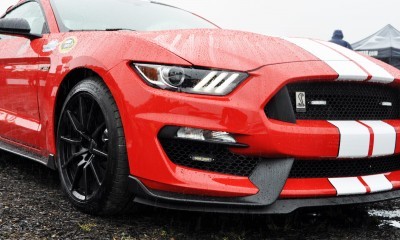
<point>227,49</point>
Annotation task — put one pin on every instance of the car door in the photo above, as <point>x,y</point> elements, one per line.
<point>19,74</point>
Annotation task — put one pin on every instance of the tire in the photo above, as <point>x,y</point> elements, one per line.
<point>91,152</point>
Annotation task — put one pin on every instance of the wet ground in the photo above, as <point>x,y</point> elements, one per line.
<point>33,207</point>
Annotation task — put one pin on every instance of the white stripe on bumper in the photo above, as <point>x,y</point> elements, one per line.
<point>378,183</point>
<point>353,186</point>
<point>384,138</point>
<point>347,186</point>
<point>354,139</point>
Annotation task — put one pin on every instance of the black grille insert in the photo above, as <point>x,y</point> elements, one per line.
<point>345,101</point>
<point>344,168</point>
<point>181,153</point>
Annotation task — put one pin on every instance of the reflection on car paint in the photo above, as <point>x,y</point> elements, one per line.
<point>11,118</point>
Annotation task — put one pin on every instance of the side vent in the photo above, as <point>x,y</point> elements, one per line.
<point>280,107</point>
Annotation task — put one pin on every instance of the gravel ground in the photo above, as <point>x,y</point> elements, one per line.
<point>33,207</point>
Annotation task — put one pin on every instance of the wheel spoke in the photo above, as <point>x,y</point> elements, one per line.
<point>100,153</point>
<point>73,158</point>
<point>98,130</point>
<point>77,177</point>
<point>90,115</point>
<point>75,123</point>
<point>81,112</point>
<point>96,176</point>
<point>71,140</point>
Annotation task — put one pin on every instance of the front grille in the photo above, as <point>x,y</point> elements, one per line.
<point>344,168</point>
<point>345,101</point>
<point>181,152</point>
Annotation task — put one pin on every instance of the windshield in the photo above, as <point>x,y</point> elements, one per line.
<point>139,15</point>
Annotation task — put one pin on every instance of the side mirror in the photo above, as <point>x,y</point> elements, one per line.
<point>17,26</point>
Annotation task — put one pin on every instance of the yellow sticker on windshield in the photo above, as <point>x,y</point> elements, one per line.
<point>68,44</point>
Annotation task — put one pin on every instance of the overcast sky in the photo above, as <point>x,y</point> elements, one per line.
<point>307,18</point>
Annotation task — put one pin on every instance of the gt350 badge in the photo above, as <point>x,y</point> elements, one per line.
<point>300,102</point>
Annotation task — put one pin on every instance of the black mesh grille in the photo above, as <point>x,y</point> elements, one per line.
<point>346,101</point>
<point>344,168</point>
<point>181,152</point>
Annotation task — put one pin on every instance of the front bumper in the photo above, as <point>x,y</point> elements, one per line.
<point>249,205</point>
<point>158,181</point>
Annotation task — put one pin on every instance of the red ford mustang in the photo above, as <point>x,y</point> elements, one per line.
<point>138,101</point>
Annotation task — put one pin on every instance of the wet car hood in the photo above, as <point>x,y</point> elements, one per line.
<point>227,49</point>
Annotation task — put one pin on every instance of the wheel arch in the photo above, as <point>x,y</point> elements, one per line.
<point>70,80</point>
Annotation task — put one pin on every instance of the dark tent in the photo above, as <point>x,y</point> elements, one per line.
<point>383,45</point>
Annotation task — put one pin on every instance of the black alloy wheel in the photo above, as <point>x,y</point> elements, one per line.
<point>91,151</point>
<point>84,146</point>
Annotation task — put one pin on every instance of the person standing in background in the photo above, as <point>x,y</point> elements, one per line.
<point>338,39</point>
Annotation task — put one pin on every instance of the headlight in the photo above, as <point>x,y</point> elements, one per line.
<point>190,80</point>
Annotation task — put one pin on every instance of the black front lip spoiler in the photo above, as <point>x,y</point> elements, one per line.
<point>281,206</point>
<point>269,176</point>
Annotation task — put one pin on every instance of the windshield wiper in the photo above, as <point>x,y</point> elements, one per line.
<point>84,30</point>
<point>119,29</point>
<point>100,30</point>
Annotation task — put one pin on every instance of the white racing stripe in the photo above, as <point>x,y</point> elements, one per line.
<point>322,52</point>
<point>346,69</point>
<point>384,138</point>
<point>378,183</point>
<point>354,139</point>
<point>378,73</point>
<point>347,186</point>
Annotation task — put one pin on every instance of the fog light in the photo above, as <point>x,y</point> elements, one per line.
<point>205,135</point>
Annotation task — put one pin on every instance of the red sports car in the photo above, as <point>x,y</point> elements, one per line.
<point>137,101</point>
